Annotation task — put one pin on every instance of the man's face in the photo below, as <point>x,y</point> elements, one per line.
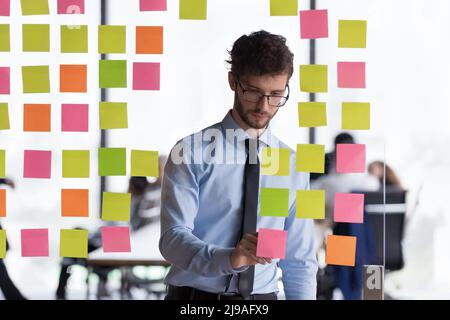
<point>257,115</point>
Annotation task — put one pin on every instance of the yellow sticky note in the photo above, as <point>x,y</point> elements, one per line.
<point>2,163</point>
<point>310,204</point>
<point>2,244</point>
<point>113,115</point>
<point>5,41</point>
<point>36,37</point>
<point>193,9</point>
<point>36,79</point>
<point>311,158</point>
<point>314,78</point>
<point>275,161</point>
<point>283,7</point>
<point>75,163</point>
<point>116,206</point>
<point>355,116</point>
<point>352,33</point>
<point>144,163</point>
<point>312,114</point>
<point>34,7</point>
<point>4,117</point>
<point>73,243</point>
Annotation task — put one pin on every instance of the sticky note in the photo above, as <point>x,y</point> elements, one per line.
<point>350,158</point>
<point>274,202</point>
<point>74,202</point>
<point>311,158</point>
<point>149,39</point>
<point>355,116</point>
<point>37,118</point>
<point>5,41</point>
<point>144,163</point>
<point>2,244</point>
<point>74,39</point>
<point>116,206</point>
<point>349,207</point>
<point>74,117</point>
<point>2,163</point>
<point>113,74</point>
<point>314,78</point>
<point>116,239</point>
<point>36,37</point>
<point>5,8</point>
<point>113,115</point>
<point>37,164</point>
<point>36,79</point>
<point>75,163</point>
<point>312,114</point>
<point>271,243</point>
<point>111,39</point>
<point>313,24</point>
<point>5,80</point>
<point>4,117</point>
<point>310,204</point>
<point>193,9</point>
<point>2,203</point>
<point>112,161</point>
<point>34,242</point>
<point>341,251</point>
<point>152,5</point>
<point>34,7</point>
<point>70,6</point>
<point>73,243</point>
<point>73,78</point>
<point>352,75</point>
<point>283,7</point>
<point>146,76</point>
<point>352,33</point>
<point>276,161</point>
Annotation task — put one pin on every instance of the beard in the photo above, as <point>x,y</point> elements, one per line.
<point>254,118</point>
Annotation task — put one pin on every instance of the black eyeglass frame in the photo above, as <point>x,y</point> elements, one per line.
<point>268,96</point>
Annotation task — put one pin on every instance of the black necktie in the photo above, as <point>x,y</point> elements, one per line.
<point>251,190</point>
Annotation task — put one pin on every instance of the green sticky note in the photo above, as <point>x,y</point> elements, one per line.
<point>112,39</point>
<point>283,7</point>
<point>36,79</point>
<point>73,243</point>
<point>275,161</point>
<point>74,39</point>
<point>113,73</point>
<point>274,202</point>
<point>2,244</point>
<point>113,115</point>
<point>352,33</point>
<point>193,9</point>
<point>312,114</point>
<point>75,163</point>
<point>116,206</point>
<point>310,204</point>
<point>144,163</point>
<point>314,78</point>
<point>311,158</point>
<point>5,42</point>
<point>34,7</point>
<point>2,164</point>
<point>355,116</point>
<point>112,161</point>
<point>36,37</point>
<point>4,117</point>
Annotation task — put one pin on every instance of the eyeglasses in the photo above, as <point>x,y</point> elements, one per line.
<point>251,95</point>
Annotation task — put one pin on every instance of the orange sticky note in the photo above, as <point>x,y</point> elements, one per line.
<point>341,250</point>
<point>36,118</point>
<point>75,202</point>
<point>2,203</point>
<point>73,78</point>
<point>149,40</point>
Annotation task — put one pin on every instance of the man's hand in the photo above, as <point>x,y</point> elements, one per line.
<point>245,252</point>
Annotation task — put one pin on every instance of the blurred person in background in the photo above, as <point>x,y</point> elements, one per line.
<point>376,168</point>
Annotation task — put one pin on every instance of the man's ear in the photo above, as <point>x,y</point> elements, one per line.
<point>232,81</point>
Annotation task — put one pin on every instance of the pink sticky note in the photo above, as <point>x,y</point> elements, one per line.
<point>37,164</point>
<point>350,158</point>
<point>4,80</point>
<point>116,239</point>
<point>352,75</point>
<point>349,207</point>
<point>271,243</point>
<point>75,117</point>
<point>146,76</point>
<point>70,6</point>
<point>153,5</point>
<point>314,24</point>
<point>5,8</point>
<point>34,242</point>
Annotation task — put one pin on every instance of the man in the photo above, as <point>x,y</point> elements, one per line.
<point>209,208</point>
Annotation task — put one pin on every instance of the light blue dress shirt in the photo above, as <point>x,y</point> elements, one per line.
<point>202,212</point>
